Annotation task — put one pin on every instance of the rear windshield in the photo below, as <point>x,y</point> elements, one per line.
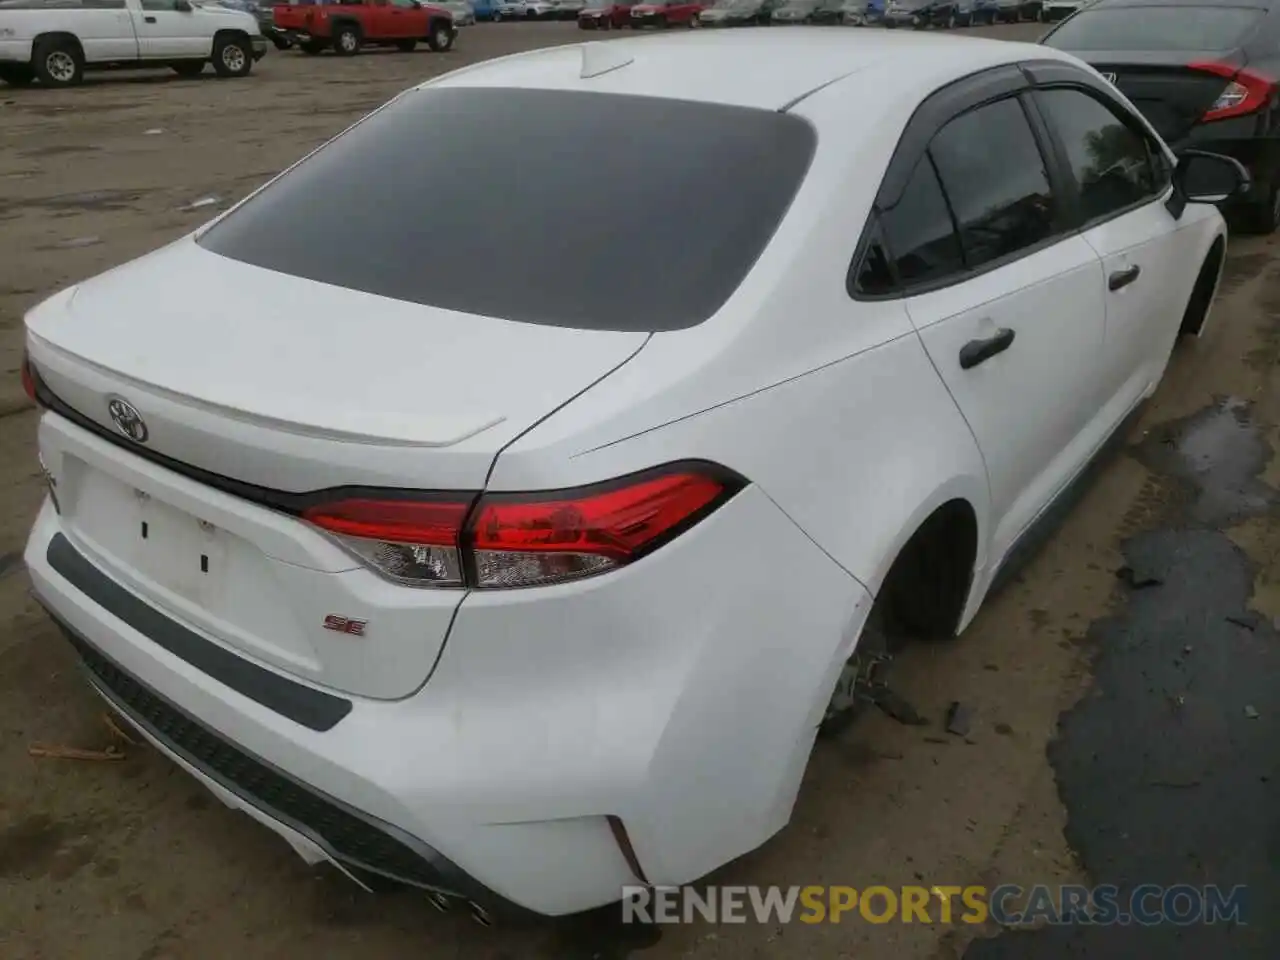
<point>565,208</point>
<point>1144,28</point>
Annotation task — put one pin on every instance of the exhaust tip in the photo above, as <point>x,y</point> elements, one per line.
<point>479,914</point>
<point>440,902</point>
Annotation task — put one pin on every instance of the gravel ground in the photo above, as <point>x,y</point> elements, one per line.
<point>134,861</point>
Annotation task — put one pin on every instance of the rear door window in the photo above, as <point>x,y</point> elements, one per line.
<point>629,213</point>
<point>1111,162</point>
<point>920,232</point>
<point>1153,28</point>
<point>995,178</point>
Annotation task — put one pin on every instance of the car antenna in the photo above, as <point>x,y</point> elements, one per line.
<point>599,58</point>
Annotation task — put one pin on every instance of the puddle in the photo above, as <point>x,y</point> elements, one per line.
<point>1220,452</point>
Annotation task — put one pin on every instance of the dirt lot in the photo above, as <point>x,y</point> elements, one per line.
<point>133,861</point>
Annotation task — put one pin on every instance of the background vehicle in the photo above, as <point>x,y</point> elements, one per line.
<point>828,12</point>
<point>664,13</point>
<point>907,13</point>
<point>985,11</point>
<point>1031,10</point>
<point>348,26</point>
<point>1054,10</point>
<point>508,9</point>
<point>795,12</point>
<point>56,44</point>
<point>462,12</point>
<point>567,9</point>
<point>1205,75</point>
<point>484,9</point>
<point>1009,11</point>
<point>605,14</point>
<point>861,13</point>
<point>537,10</point>
<point>734,13</point>
<point>263,13</point>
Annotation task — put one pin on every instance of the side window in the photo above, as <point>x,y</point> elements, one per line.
<point>1111,161</point>
<point>919,230</point>
<point>409,4</point>
<point>874,275</point>
<point>995,178</point>
<point>158,5</point>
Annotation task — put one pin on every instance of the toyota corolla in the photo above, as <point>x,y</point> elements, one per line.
<point>520,587</point>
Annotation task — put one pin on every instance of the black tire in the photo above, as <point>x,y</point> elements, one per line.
<point>280,42</point>
<point>530,15</point>
<point>347,40</point>
<point>232,55</point>
<point>1262,219</point>
<point>17,74</point>
<point>497,17</point>
<point>58,62</point>
<point>188,68</point>
<point>440,37</point>
<point>312,47</point>
<point>406,46</point>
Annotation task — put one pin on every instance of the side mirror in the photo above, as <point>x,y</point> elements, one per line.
<point>182,6</point>
<point>1203,177</point>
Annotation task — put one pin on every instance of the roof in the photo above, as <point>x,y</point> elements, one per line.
<point>768,69</point>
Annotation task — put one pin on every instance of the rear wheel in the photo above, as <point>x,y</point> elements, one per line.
<point>347,40</point>
<point>58,62</point>
<point>440,38</point>
<point>232,56</point>
<point>1263,218</point>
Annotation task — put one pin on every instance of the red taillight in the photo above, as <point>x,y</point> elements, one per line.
<point>521,540</point>
<point>28,378</point>
<point>1246,92</point>
<point>412,541</point>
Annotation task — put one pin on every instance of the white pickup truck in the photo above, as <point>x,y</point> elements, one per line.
<point>55,41</point>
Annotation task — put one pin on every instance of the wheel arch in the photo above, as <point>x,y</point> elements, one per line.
<point>55,35</point>
<point>1205,289</point>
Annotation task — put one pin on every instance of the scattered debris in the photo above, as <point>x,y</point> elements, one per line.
<point>116,732</point>
<point>76,242</point>
<point>1136,580</point>
<point>897,707</point>
<point>1248,621</point>
<point>1187,648</point>
<point>994,668</point>
<point>959,719</point>
<point>889,755</point>
<point>943,740</point>
<point>152,132</point>
<point>59,752</point>
<point>202,203</point>
<point>1251,712</point>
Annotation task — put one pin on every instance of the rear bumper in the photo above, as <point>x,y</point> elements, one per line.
<point>549,712</point>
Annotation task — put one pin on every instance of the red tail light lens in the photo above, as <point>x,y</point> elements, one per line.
<point>28,378</point>
<point>411,541</point>
<point>522,540</point>
<point>1247,91</point>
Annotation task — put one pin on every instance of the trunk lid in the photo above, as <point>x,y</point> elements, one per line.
<point>276,384</point>
<point>1165,88</point>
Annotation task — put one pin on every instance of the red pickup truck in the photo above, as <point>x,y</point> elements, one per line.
<point>347,25</point>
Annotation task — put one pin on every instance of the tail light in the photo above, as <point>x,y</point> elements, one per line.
<point>504,540</point>
<point>28,378</point>
<point>1247,91</point>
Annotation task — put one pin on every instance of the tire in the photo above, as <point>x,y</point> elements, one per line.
<point>440,37</point>
<point>497,17</point>
<point>281,43</point>
<point>863,675</point>
<point>312,48</point>
<point>17,74</point>
<point>188,68</point>
<point>1263,219</point>
<point>406,46</point>
<point>530,15</point>
<point>347,40</point>
<point>232,56</point>
<point>58,62</point>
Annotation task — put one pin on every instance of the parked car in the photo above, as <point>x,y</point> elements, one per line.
<point>862,13</point>
<point>906,13</point>
<point>509,689</point>
<point>1031,10</point>
<point>349,26</point>
<point>1053,10</point>
<point>508,10</point>
<point>605,15</point>
<point>1009,11</point>
<point>1203,73</point>
<point>261,12</point>
<point>828,12</point>
<point>464,15</point>
<point>664,13</point>
<point>538,10</point>
<point>985,12</point>
<point>56,43</point>
<point>484,9</point>
<point>737,13</point>
<point>792,12</point>
<point>567,9</point>
<point>921,14</point>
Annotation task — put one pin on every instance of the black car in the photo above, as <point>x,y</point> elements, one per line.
<point>1203,73</point>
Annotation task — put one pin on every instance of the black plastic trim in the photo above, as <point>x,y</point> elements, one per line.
<point>304,705</point>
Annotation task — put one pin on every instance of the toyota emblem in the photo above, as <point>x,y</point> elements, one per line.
<point>127,419</point>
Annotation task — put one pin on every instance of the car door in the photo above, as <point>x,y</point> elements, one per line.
<point>166,32</point>
<point>406,19</point>
<point>106,32</point>
<point>1008,303</point>
<point>1122,178</point>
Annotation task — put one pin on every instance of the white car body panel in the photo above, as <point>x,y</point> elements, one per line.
<point>121,35</point>
<point>503,728</point>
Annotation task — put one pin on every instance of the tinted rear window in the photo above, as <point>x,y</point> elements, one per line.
<point>1156,28</point>
<point>555,207</point>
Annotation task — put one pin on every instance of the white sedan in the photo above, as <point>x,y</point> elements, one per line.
<point>521,587</point>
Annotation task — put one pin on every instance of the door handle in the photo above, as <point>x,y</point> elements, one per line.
<point>1122,278</point>
<point>149,19</point>
<point>979,351</point>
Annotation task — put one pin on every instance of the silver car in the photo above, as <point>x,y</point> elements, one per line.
<point>464,15</point>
